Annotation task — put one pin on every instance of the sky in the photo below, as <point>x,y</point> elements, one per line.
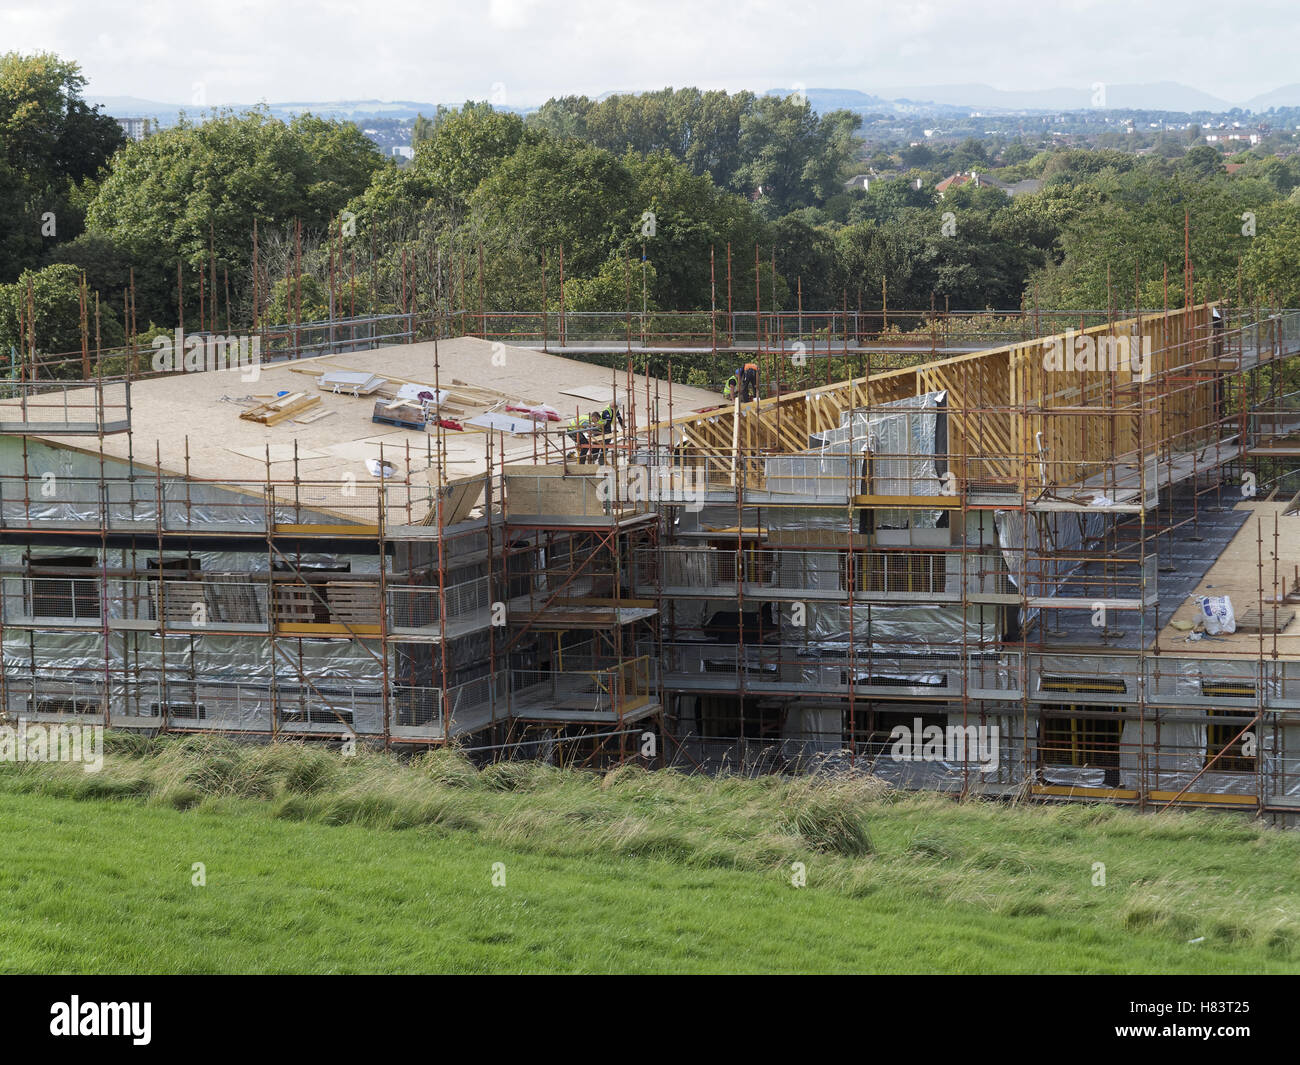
<point>520,52</point>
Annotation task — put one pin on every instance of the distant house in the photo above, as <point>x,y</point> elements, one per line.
<point>865,181</point>
<point>956,181</point>
<point>405,151</point>
<point>1019,188</point>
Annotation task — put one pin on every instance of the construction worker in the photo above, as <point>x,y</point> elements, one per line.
<point>732,386</point>
<point>604,421</point>
<point>749,383</point>
<point>608,414</point>
<point>579,428</point>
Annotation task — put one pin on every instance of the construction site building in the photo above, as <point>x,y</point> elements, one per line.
<point>1078,553</point>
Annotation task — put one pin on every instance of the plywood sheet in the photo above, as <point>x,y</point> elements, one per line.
<point>278,452</point>
<point>1236,574</point>
<point>360,450</point>
<point>506,423</point>
<point>594,393</point>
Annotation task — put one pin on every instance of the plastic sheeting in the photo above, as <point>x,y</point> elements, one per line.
<point>901,436</point>
<point>73,496</point>
<point>241,667</point>
<point>1031,566</point>
<point>809,730</point>
<point>231,563</point>
<point>923,629</point>
<point>1048,535</point>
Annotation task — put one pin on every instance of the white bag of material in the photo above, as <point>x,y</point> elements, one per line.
<point>1216,614</point>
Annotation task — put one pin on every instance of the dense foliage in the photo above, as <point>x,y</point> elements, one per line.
<point>636,193</point>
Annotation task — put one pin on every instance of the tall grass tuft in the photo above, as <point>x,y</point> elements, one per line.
<point>828,826</point>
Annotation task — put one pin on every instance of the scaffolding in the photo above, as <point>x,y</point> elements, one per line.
<point>1024,557</point>
<point>944,533</point>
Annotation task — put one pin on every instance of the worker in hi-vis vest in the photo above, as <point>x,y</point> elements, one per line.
<point>732,386</point>
<point>603,421</point>
<point>749,383</point>
<point>579,427</point>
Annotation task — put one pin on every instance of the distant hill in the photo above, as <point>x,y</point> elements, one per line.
<point>938,100</point>
<point>1160,96</point>
<point>943,99</point>
<point>357,110</point>
<point>1287,96</point>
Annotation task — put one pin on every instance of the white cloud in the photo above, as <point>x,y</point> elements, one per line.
<point>285,50</point>
<point>511,14</point>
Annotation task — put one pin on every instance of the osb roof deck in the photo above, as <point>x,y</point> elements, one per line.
<point>202,411</point>
<point>1236,573</point>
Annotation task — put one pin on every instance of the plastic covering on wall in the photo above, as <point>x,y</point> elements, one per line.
<point>809,730</point>
<point>921,628</point>
<point>419,664</point>
<point>715,516</point>
<point>53,652</point>
<point>66,490</point>
<point>1200,678</point>
<point>1281,747</point>
<point>1174,752</point>
<point>995,766</point>
<point>902,437</point>
<point>417,554</point>
<point>219,562</point>
<point>1031,566</point>
<point>1048,535</point>
<point>234,672</point>
<point>925,628</point>
<point>804,519</point>
<point>830,474</point>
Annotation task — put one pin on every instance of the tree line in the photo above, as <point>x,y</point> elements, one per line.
<point>642,197</point>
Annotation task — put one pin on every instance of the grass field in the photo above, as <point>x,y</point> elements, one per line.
<point>318,863</point>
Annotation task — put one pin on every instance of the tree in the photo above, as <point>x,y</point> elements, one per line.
<point>421,131</point>
<point>47,131</point>
<point>740,140</point>
<point>465,147</point>
<point>54,294</point>
<point>917,155</point>
<point>969,155</point>
<point>554,195</point>
<point>680,218</point>
<point>1201,162</point>
<point>791,157</point>
<point>192,193</point>
<point>1015,152</point>
<point>1138,225</point>
<point>339,161</point>
<point>52,146</point>
<point>1268,267</point>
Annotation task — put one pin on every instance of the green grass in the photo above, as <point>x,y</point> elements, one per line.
<point>318,863</point>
